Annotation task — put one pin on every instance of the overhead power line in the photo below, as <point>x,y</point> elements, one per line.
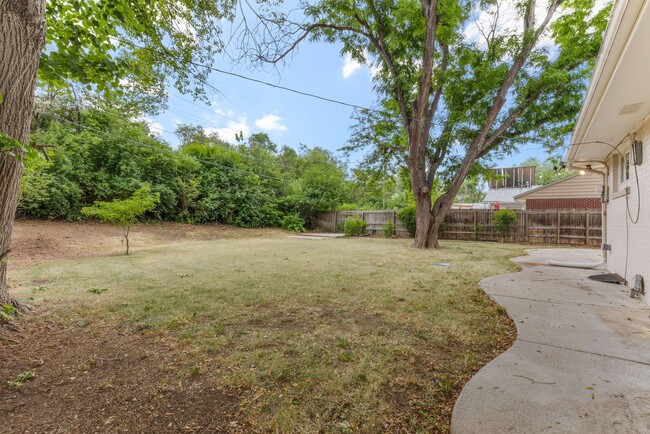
<point>168,150</point>
<point>312,95</point>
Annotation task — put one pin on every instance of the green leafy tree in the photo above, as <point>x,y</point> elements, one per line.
<point>96,156</point>
<point>453,89</point>
<point>548,171</point>
<point>97,45</point>
<point>320,186</point>
<point>124,213</point>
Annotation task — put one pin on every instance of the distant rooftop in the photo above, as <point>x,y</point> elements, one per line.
<point>504,195</point>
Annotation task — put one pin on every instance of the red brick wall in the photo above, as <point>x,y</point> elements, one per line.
<point>590,203</point>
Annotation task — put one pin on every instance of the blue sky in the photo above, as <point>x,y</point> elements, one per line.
<point>288,118</point>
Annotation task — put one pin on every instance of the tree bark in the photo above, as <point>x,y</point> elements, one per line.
<point>22,37</point>
<point>421,187</point>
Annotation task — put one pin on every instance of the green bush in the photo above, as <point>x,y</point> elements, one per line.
<point>477,229</point>
<point>503,221</point>
<point>355,207</point>
<point>407,217</point>
<point>293,222</point>
<point>354,227</point>
<point>124,213</point>
<point>389,230</point>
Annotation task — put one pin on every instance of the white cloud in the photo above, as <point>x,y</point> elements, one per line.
<point>350,66</point>
<point>155,127</point>
<point>375,69</point>
<point>270,122</point>
<point>125,82</point>
<point>184,26</point>
<point>236,124</point>
<point>507,19</point>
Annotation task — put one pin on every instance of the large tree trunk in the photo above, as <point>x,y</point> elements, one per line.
<point>422,219</point>
<point>422,193</point>
<point>22,37</point>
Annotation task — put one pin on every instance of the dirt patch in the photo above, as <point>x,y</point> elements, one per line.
<point>107,379</point>
<point>35,241</point>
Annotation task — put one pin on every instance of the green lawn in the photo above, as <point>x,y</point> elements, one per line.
<point>336,335</point>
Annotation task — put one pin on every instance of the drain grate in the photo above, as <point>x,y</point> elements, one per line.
<point>608,278</point>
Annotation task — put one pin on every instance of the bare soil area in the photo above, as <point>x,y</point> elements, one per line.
<point>37,241</point>
<point>106,379</point>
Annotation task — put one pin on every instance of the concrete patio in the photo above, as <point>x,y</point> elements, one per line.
<point>581,362</point>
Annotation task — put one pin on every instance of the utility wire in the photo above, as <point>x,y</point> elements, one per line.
<point>311,95</point>
<point>225,149</point>
<point>168,150</point>
<point>213,112</point>
<point>172,152</point>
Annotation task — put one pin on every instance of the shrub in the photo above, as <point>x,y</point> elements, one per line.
<point>293,222</point>
<point>124,213</point>
<point>354,227</point>
<point>477,229</point>
<point>407,217</point>
<point>503,221</point>
<point>348,207</point>
<point>389,229</point>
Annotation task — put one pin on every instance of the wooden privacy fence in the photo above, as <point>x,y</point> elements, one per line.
<point>375,221</point>
<point>572,227</point>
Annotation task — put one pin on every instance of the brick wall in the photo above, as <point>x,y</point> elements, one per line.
<point>577,203</point>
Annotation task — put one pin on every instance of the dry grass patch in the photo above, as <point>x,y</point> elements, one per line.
<point>353,335</point>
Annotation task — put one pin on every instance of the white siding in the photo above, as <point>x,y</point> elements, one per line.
<point>580,186</point>
<point>631,245</point>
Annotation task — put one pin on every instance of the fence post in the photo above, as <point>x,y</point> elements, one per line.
<point>525,215</point>
<point>587,228</point>
<point>475,228</point>
<point>558,227</point>
<point>335,220</point>
<point>395,223</point>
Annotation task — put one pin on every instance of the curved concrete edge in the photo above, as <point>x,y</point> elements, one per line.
<point>581,360</point>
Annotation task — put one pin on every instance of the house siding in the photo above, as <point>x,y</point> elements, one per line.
<point>582,186</point>
<point>630,242</point>
<point>564,203</point>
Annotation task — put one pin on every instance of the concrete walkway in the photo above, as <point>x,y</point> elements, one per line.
<point>317,236</point>
<point>581,363</point>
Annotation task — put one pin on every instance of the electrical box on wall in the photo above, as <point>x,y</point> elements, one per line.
<point>637,152</point>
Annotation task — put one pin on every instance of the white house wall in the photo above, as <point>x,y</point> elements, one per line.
<point>631,242</point>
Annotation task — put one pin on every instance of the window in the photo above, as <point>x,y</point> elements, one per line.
<point>624,170</point>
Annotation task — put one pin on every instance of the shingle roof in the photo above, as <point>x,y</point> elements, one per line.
<point>505,194</point>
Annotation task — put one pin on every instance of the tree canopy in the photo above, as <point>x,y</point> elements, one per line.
<point>104,156</point>
<point>126,47</point>
<point>457,82</point>
<point>548,171</point>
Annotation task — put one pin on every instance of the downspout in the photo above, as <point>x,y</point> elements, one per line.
<point>604,200</point>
